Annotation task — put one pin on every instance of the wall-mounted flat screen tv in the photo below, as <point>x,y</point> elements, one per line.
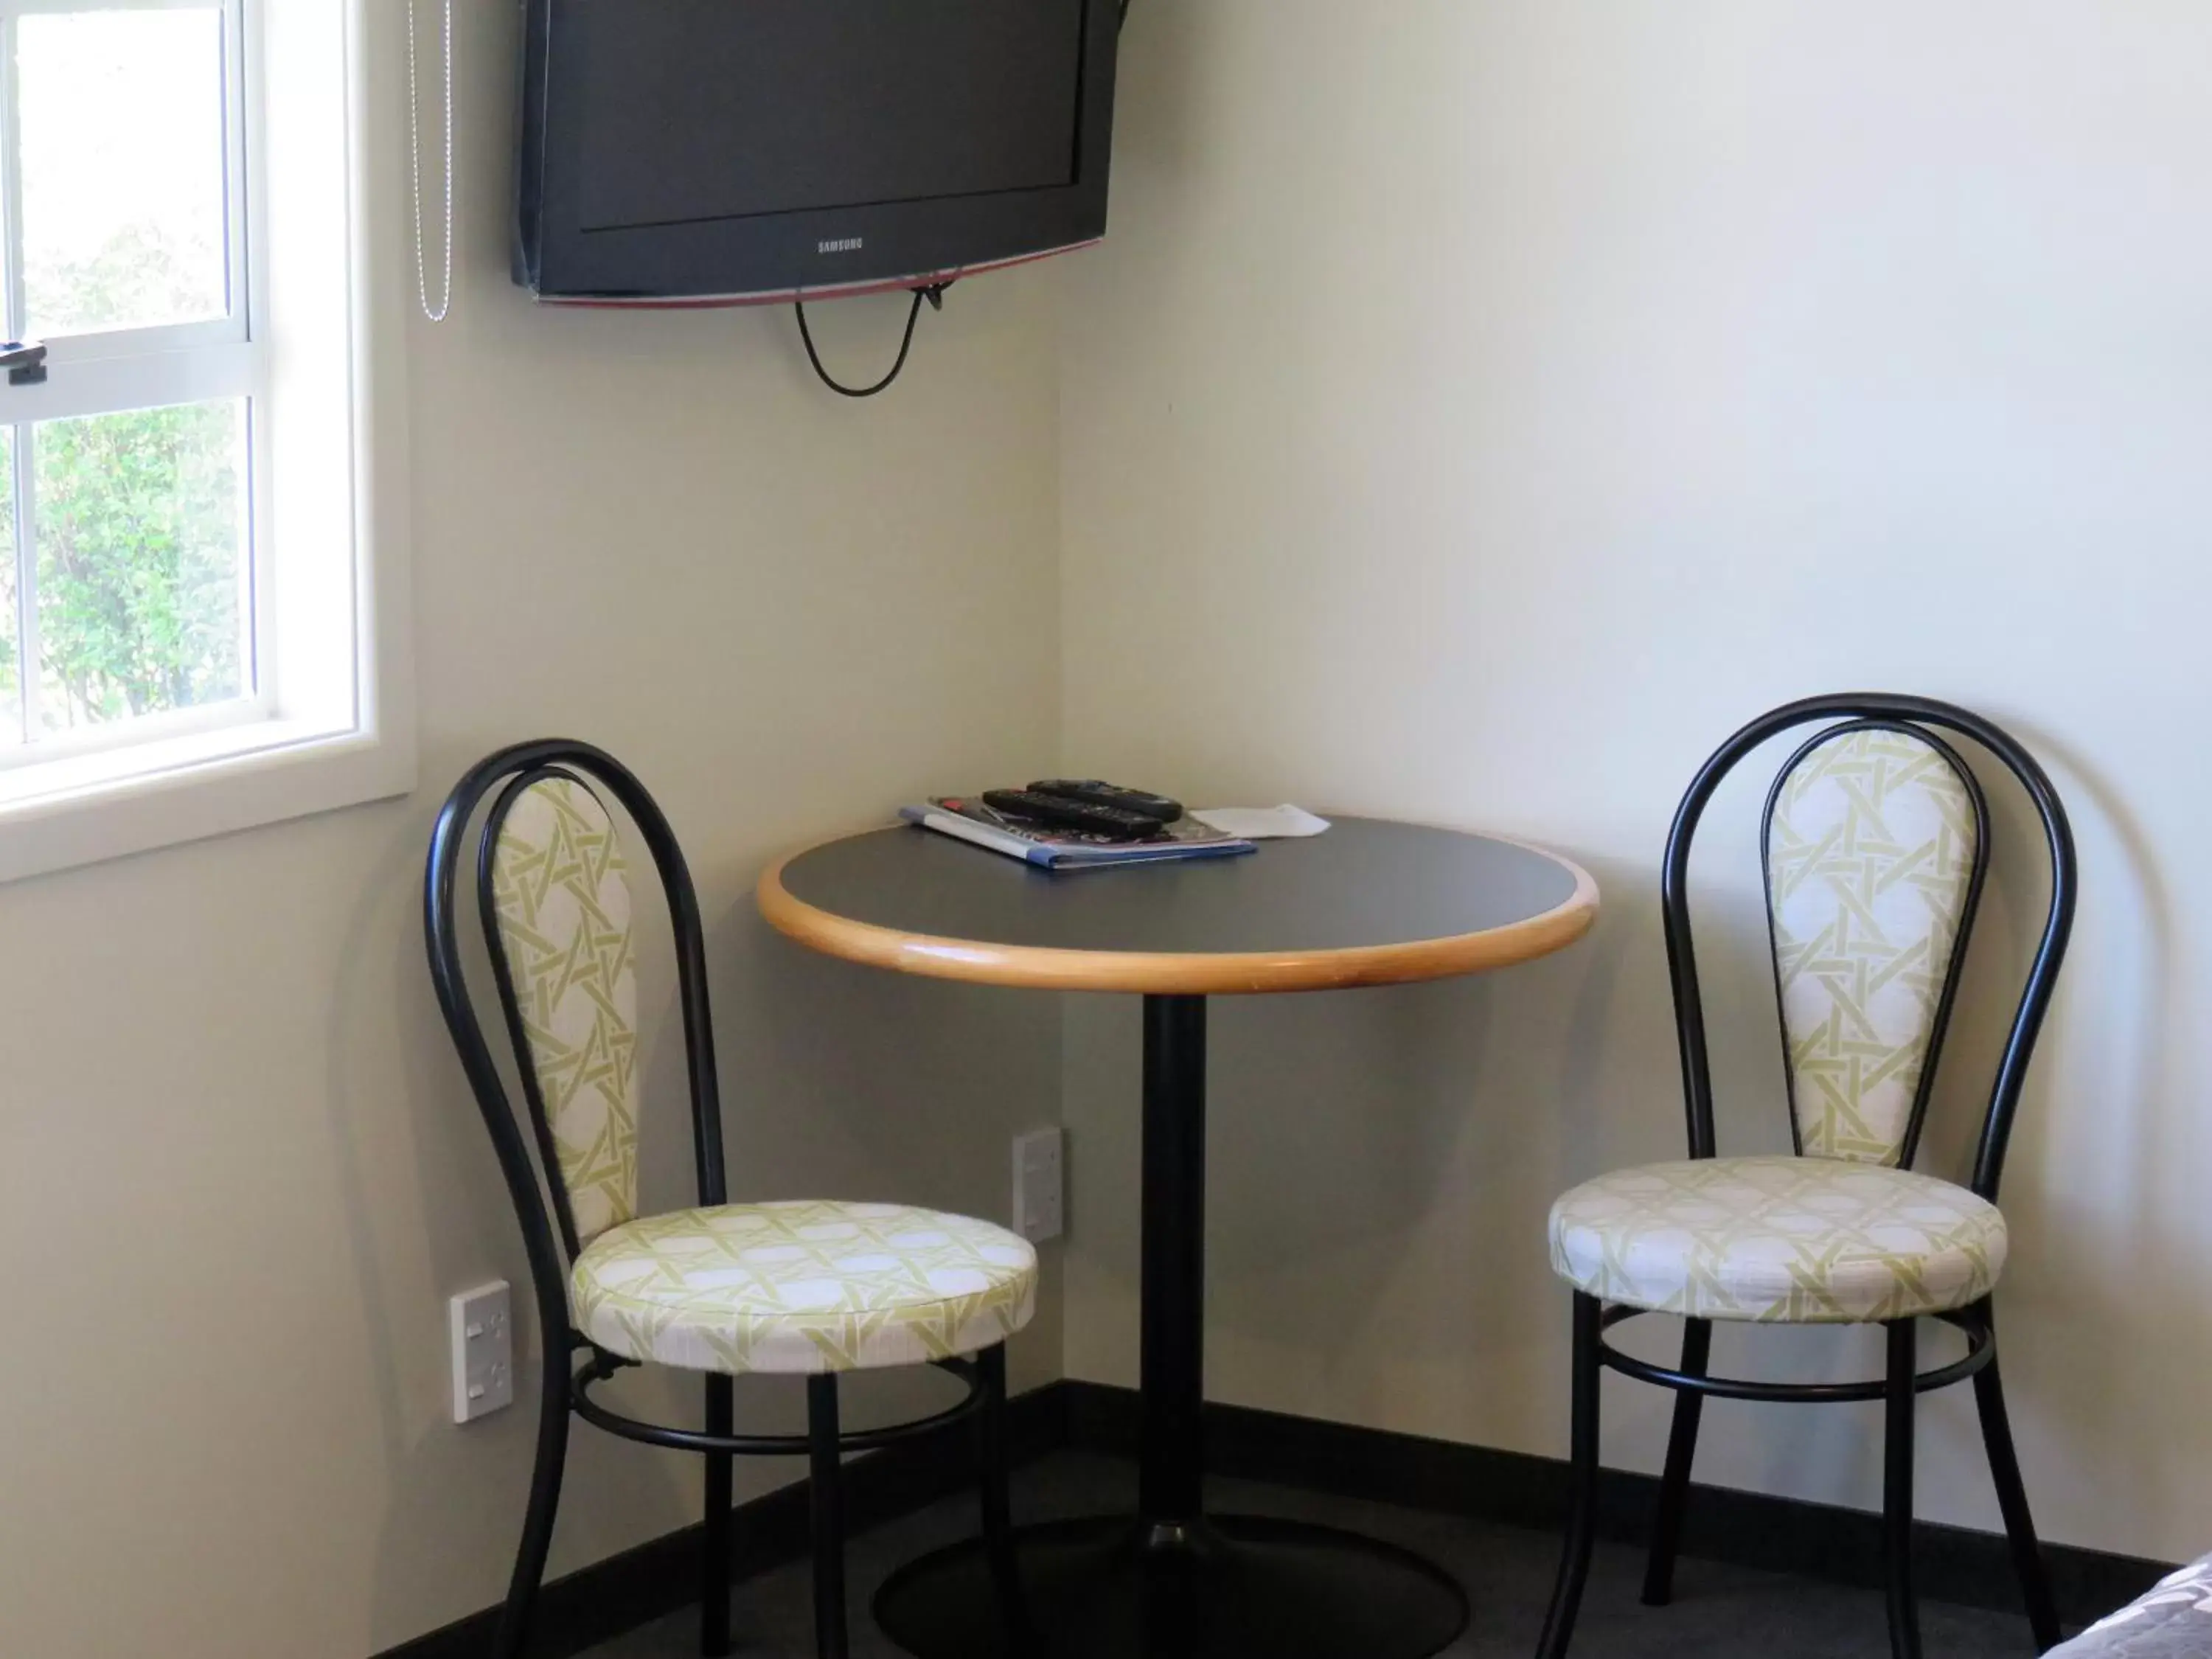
<point>704,151</point>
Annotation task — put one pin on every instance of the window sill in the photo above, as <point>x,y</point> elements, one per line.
<point>98,806</point>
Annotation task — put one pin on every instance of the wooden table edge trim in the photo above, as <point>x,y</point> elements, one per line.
<point>1177,973</point>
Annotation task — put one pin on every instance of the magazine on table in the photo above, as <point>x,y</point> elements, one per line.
<point>966,818</point>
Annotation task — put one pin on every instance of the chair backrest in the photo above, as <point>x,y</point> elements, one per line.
<point>563,958</point>
<point>1876,842</point>
<point>554,900</point>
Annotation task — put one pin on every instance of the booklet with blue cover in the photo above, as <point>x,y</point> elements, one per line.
<point>967,818</point>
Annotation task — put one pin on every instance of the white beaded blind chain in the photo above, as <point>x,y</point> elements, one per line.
<point>436,314</point>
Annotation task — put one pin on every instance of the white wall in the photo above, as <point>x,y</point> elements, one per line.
<point>1480,410</point>
<point>243,1173</point>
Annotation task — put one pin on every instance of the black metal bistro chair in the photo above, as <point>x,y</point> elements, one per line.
<point>807,1288</point>
<point>1875,843</point>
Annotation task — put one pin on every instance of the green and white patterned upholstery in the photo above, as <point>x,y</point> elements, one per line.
<point>800,1286</point>
<point>803,1287</point>
<point>1871,850</point>
<point>564,917</point>
<point>1794,1240</point>
<point>1870,855</point>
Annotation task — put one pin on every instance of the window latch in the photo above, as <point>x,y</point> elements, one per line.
<point>25,361</point>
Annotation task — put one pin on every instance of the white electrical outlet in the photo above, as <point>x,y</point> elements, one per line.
<point>1040,1186</point>
<point>482,1325</point>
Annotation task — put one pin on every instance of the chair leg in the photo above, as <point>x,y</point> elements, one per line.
<point>1674,1483</point>
<point>714,1550</point>
<point>2012,1500</point>
<point>826,1490</point>
<point>1581,1516</point>
<point>1897,1491</point>
<point>537,1519</point>
<point>992,1477</point>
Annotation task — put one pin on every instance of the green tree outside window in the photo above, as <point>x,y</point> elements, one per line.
<point>138,533</point>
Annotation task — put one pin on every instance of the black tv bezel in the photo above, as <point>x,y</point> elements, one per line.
<point>762,257</point>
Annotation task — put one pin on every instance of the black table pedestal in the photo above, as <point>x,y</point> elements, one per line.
<point>1173,1583</point>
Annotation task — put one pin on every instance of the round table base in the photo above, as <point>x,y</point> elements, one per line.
<point>1230,1587</point>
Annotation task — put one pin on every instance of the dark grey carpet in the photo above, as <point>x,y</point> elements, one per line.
<point>1719,1612</point>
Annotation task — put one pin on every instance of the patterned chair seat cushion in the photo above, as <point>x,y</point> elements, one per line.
<point>803,1287</point>
<point>2173,1621</point>
<point>1794,1240</point>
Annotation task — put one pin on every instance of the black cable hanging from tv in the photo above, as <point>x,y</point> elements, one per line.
<point>934,292</point>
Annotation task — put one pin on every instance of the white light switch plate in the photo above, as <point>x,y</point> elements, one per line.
<point>1040,1186</point>
<point>482,1324</point>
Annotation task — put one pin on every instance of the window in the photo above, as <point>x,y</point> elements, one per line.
<point>130,468</point>
<point>185,578</point>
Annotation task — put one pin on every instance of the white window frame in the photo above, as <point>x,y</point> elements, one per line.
<point>113,370</point>
<point>318,343</point>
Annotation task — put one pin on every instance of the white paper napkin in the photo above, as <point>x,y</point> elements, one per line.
<point>1261,822</point>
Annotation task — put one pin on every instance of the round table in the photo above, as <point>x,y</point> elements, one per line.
<point>1370,903</point>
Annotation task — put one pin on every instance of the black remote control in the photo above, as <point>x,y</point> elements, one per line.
<point>1057,813</point>
<point>1159,808</point>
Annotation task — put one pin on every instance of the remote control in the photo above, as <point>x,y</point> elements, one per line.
<point>1057,813</point>
<point>1159,808</point>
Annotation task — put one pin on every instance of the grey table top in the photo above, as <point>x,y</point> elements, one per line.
<point>1370,901</point>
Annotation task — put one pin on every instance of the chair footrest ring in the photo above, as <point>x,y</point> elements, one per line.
<point>762,1445</point>
<point>1982,1348</point>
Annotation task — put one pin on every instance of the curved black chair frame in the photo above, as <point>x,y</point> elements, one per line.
<point>1902,1381</point>
<point>550,1239</point>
